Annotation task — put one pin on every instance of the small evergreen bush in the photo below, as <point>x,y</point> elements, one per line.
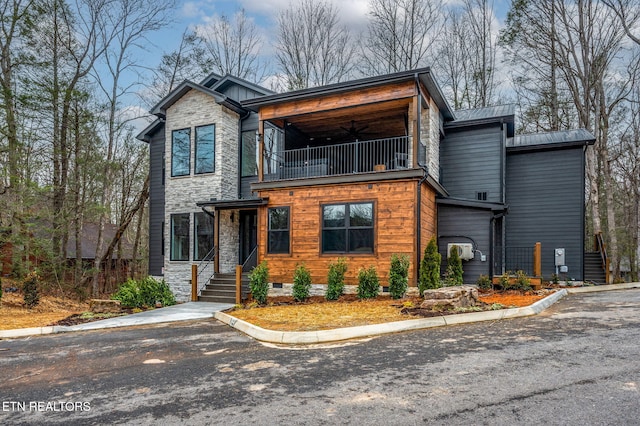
<point>398,275</point>
<point>259,282</point>
<point>335,279</point>
<point>430,267</point>
<point>145,292</point>
<point>301,283</point>
<point>368,283</point>
<point>453,275</point>
<point>30,290</point>
<point>484,283</point>
<point>522,281</point>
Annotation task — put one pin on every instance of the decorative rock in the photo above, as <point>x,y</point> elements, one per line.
<point>104,306</point>
<point>450,297</point>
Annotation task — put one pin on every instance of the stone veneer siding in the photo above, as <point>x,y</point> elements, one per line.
<point>430,137</point>
<point>321,289</point>
<point>181,193</point>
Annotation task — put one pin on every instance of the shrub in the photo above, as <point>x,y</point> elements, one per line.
<point>398,275</point>
<point>430,267</point>
<point>504,281</point>
<point>301,283</point>
<point>453,275</point>
<point>335,279</point>
<point>522,281</point>
<point>30,290</point>
<point>259,282</point>
<point>144,292</point>
<point>368,283</point>
<point>484,283</point>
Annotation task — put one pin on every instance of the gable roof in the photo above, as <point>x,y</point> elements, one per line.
<point>147,133</point>
<point>160,108</point>
<point>229,79</point>
<point>210,80</point>
<point>425,75</point>
<point>551,140</point>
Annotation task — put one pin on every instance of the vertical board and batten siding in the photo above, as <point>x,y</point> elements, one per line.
<point>156,202</point>
<point>248,124</point>
<point>545,194</point>
<point>469,222</point>
<point>470,160</point>
<point>394,228</point>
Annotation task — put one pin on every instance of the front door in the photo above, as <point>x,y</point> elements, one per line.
<point>248,238</point>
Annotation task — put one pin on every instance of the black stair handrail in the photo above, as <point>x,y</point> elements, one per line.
<point>202,266</point>
<point>601,247</point>
<point>252,256</point>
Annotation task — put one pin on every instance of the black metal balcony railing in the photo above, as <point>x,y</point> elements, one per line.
<point>341,159</point>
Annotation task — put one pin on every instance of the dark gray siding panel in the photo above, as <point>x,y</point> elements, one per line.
<point>454,223</point>
<point>245,186</point>
<point>239,93</point>
<point>470,160</point>
<point>156,202</point>
<point>250,123</point>
<point>545,194</point>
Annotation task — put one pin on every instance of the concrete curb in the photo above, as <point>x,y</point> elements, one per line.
<point>325,336</point>
<point>34,331</point>
<point>597,288</point>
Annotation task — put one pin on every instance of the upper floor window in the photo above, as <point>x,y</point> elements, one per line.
<point>205,149</point>
<point>278,237</point>
<point>347,228</point>
<point>180,152</point>
<point>249,154</point>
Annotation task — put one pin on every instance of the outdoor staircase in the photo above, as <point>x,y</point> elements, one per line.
<point>593,270</point>
<point>222,289</point>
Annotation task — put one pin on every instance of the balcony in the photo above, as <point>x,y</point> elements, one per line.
<point>340,159</point>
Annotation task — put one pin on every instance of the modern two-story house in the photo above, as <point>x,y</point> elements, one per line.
<point>362,170</point>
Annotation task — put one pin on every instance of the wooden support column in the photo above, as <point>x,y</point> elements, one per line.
<point>194,283</point>
<point>417,105</point>
<point>238,284</point>
<point>537,260</point>
<point>261,150</point>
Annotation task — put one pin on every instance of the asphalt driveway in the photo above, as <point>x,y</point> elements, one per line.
<point>576,363</point>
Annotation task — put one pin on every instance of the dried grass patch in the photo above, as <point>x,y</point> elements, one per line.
<point>13,313</point>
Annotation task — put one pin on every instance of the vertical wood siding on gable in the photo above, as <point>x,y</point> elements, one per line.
<point>545,191</point>
<point>470,162</point>
<point>394,224</point>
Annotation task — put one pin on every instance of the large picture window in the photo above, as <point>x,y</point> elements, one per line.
<point>249,154</point>
<point>203,232</point>
<point>278,238</point>
<point>347,228</point>
<point>180,236</point>
<point>205,149</point>
<point>180,152</point>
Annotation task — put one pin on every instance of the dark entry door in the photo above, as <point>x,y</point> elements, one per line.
<point>248,238</point>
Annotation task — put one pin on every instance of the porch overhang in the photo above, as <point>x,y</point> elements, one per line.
<point>239,204</point>
<point>483,205</point>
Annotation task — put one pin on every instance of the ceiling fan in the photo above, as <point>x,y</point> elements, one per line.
<point>355,131</point>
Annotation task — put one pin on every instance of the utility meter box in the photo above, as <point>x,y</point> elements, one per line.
<point>465,250</point>
<point>559,261</point>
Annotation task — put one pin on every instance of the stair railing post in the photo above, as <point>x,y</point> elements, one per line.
<point>238,284</point>
<point>194,283</point>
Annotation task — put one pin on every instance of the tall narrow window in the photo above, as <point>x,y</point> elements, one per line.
<point>278,238</point>
<point>180,152</point>
<point>347,228</point>
<point>205,149</point>
<point>180,236</point>
<point>203,231</point>
<point>249,154</point>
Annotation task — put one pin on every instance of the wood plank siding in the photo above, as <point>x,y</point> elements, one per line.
<point>372,95</point>
<point>395,208</point>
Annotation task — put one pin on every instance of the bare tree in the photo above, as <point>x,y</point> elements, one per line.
<point>467,55</point>
<point>628,11</point>
<point>313,48</point>
<point>231,46</point>
<point>401,34</point>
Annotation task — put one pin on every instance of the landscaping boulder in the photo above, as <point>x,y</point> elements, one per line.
<point>104,306</point>
<point>450,298</point>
